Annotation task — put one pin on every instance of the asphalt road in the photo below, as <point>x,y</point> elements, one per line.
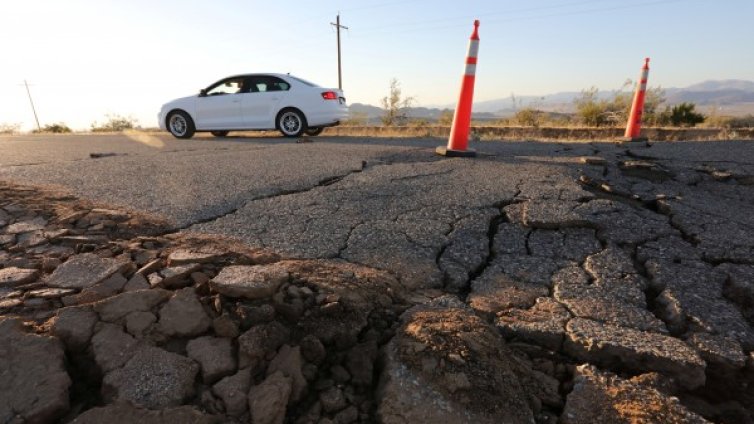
<point>633,258</point>
<point>392,203</point>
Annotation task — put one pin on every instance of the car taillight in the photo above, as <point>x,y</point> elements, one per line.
<point>330,95</point>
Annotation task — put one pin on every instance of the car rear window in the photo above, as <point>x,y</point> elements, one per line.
<point>305,82</point>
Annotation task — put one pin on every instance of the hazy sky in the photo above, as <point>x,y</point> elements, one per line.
<point>87,58</point>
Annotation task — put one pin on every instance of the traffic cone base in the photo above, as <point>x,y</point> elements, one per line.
<point>444,151</point>
<point>633,139</point>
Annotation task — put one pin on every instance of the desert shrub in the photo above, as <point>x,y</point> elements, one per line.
<point>446,118</point>
<point>8,128</point>
<point>418,122</point>
<point>528,117</point>
<point>654,98</point>
<point>595,111</point>
<point>590,109</point>
<point>56,128</point>
<point>115,123</point>
<point>554,119</point>
<point>395,105</point>
<point>741,122</point>
<point>718,122</point>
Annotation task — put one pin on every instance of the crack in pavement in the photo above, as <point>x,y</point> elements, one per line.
<point>280,193</point>
<point>348,239</point>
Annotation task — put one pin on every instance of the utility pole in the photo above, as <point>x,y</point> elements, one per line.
<point>32,105</point>
<point>338,26</point>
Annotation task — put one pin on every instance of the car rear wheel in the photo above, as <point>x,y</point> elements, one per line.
<point>181,125</point>
<point>314,131</point>
<point>291,122</point>
<point>219,133</point>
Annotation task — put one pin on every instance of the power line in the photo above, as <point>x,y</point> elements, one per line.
<point>420,26</point>
<point>485,15</point>
<point>379,5</point>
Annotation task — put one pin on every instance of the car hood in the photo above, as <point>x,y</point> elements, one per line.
<point>183,102</point>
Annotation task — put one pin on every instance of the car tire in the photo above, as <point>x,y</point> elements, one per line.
<point>181,125</point>
<point>291,122</point>
<point>219,133</point>
<point>314,131</point>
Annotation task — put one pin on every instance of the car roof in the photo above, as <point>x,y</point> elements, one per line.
<point>272,74</point>
<point>287,77</point>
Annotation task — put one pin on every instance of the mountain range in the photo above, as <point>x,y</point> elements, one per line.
<point>728,97</point>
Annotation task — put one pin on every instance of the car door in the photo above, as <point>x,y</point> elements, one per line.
<point>220,105</point>
<point>261,101</point>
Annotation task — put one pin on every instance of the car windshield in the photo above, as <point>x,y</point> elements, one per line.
<point>302,81</point>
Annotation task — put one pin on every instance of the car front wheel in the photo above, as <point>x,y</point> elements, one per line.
<point>291,122</point>
<point>181,125</point>
<point>219,133</point>
<point>314,131</point>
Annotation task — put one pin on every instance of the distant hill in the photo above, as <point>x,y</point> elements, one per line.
<point>717,85</point>
<point>734,97</point>
<point>719,97</point>
<point>729,94</point>
<point>714,93</point>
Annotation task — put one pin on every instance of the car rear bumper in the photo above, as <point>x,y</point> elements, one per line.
<point>328,117</point>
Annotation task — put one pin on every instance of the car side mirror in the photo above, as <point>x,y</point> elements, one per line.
<point>203,92</point>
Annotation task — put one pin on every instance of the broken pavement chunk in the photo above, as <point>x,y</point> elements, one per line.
<point>84,270</point>
<point>251,282</point>
<point>600,397</point>
<point>542,325</point>
<point>610,345</point>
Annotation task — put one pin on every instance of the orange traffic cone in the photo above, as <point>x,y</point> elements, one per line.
<point>459,132</point>
<point>633,128</point>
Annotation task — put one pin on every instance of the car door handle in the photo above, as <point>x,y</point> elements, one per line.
<point>236,101</point>
<point>276,98</point>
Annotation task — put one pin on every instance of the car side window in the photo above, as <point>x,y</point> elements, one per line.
<point>228,86</point>
<point>276,84</point>
<point>264,84</point>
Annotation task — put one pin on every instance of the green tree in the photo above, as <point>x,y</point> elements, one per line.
<point>395,105</point>
<point>685,115</point>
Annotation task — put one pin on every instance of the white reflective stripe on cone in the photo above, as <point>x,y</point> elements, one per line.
<point>470,70</point>
<point>473,48</point>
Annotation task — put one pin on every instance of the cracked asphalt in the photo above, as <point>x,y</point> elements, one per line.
<point>394,205</point>
<point>632,257</point>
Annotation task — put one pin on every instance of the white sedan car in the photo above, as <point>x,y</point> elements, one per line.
<point>255,102</point>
